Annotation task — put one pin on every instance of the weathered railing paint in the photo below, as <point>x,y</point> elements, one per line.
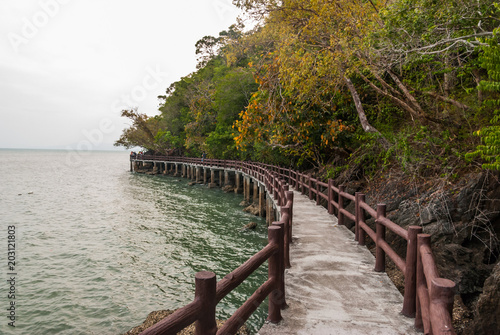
<point>427,297</point>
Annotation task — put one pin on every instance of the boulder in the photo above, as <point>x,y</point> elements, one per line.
<point>251,225</point>
<point>252,209</point>
<point>157,316</point>
<point>228,188</point>
<point>487,313</point>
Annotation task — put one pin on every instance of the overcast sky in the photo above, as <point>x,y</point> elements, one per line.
<point>68,67</point>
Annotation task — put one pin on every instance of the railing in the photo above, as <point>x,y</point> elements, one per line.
<point>208,293</point>
<point>427,297</point>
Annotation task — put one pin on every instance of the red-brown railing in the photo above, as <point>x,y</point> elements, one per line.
<point>426,295</point>
<point>208,293</point>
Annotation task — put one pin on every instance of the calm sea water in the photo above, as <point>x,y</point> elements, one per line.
<point>97,248</point>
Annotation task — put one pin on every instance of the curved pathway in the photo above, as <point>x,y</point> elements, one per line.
<point>331,287</point>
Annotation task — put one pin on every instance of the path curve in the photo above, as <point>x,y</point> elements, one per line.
<point>331,287</point>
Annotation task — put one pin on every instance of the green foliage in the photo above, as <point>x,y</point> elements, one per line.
<point>282,93</point>
<point>489,150</point>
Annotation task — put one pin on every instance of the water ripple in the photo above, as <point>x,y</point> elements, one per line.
<point>99,248</point>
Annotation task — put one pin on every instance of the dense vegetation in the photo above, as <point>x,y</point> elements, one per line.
<point>354,86</point>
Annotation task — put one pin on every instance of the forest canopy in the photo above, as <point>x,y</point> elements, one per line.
<point>358,85</point>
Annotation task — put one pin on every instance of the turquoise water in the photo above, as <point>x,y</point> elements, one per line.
<point>98,248</point>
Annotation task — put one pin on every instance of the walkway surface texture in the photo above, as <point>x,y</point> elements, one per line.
<point>331,287</point>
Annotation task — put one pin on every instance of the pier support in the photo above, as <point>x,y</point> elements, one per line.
<point>255,192</point>
<point>262,201</point>
<point>246,188</point>
<point>229,178</point>
<point>198,174</point>
<point>238,187</point>
<point>270,215</point>
<point>213,178</point>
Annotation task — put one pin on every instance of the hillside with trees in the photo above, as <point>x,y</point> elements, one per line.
<point>353,90</point>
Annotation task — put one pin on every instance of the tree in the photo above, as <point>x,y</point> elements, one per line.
<point>141,133</point>
<point>489,150</point>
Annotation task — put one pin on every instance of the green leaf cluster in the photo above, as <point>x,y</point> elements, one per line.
<point>489,149</point>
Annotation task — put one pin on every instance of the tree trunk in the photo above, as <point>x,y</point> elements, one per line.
<point>367,127</point>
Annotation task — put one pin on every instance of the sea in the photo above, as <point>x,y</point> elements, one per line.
<point>88,247</point>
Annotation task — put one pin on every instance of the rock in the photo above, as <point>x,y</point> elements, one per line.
<point>463,220</point>
<point>244,203</point>
<point>228,188</point>
<point>251,225</point>
<point>487,313</point>
<point>252,209</point>
<point>463,265</point>
<point>192,183</point>
<point>427,215</point>
<point>157,316</point>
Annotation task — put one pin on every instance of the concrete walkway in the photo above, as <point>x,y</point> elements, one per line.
<point>331,287</point>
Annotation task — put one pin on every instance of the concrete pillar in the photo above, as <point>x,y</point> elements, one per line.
<point>213,179</point>
<point>262,201</point>
<point>245,189</point>
<point>255,192</point>
<point>270,215</point>
<point>228,178</point>
<point>238,187</point>
<point>198,174</point>
<point>221,178</point>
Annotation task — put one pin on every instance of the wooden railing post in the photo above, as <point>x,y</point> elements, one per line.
<point>380,230</point>
<point>442,293</point>
<point>303,183</point>
<point>410,273</point>
<point>285,190</point>
<point>285,218</point>
<point>275,187</point>
<point>361,218</point>
<point>205,292</point>
<point>317,193</point>
<point>330,196</point>
<point>276,272</point>
<point>341,205</point>
<point>421,317</point>
<point>289,197</point>
<point>309,186</point>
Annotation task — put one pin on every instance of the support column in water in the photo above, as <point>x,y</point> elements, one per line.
<point>255,192</point>
<point>238,186</point>
<point>262,201</point>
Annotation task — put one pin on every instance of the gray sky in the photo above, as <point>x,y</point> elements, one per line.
<point>68,67</point>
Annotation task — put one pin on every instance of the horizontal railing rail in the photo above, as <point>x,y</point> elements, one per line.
<point>426,296</point>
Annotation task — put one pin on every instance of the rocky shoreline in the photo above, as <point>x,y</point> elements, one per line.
<point>157,316</point>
